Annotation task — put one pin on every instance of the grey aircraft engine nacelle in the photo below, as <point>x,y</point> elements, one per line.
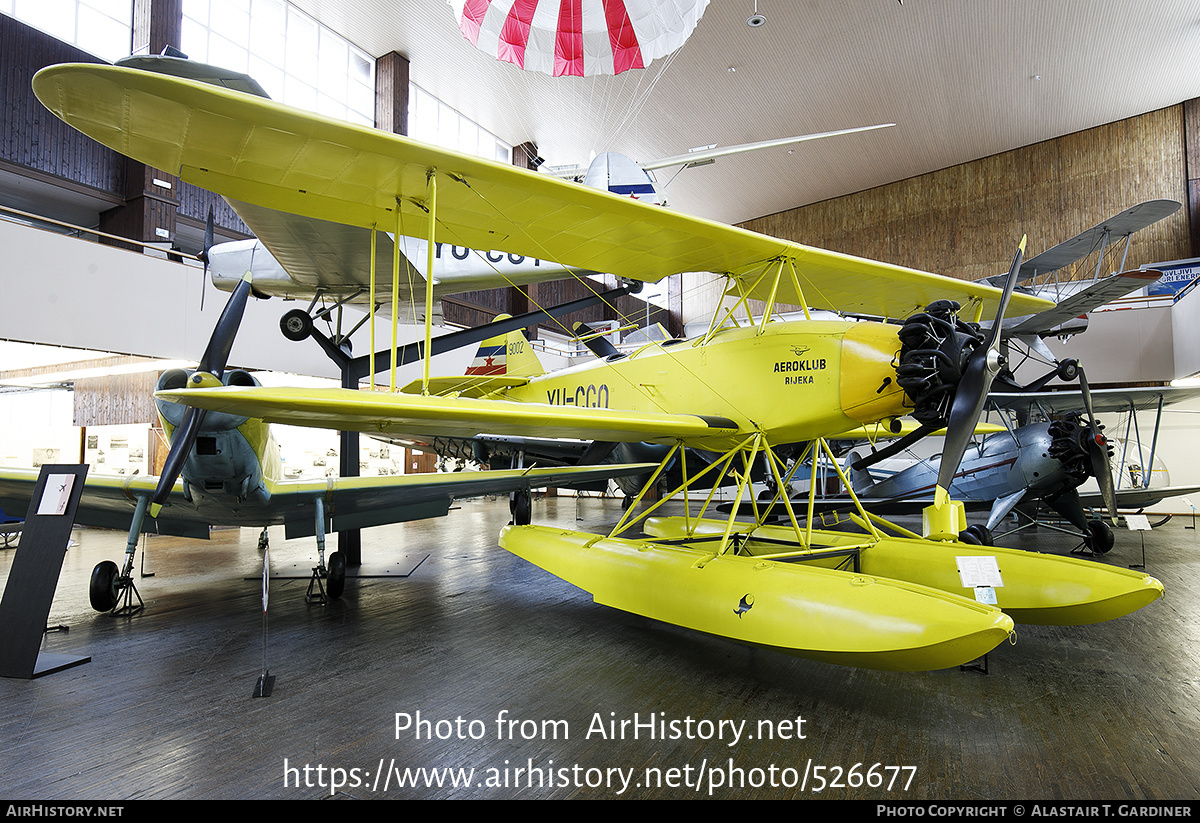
<point>227,454</point>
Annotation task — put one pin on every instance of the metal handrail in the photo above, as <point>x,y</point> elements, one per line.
<point>42,219</point>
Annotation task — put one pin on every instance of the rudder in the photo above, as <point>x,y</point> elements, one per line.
<point>506,354</point>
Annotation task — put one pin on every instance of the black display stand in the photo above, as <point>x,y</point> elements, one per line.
<point>34,575</point>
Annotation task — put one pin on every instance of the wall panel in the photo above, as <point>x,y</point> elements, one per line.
<point>32,137</point>
<point>965,221</point>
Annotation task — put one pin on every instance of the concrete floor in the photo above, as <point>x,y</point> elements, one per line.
<point>475,636</point>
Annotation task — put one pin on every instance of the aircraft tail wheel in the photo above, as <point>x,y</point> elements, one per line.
<point>336,581</point>
<point>522,508</point>
<point>103,591</point>
<point>296,325</point>
<point>1100,536</point>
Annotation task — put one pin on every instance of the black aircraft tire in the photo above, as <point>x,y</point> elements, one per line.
<point>969,537</point>
<point>103,590</point>
<point>296,325</point>
<point>982,534</point>
<point>522,509</point>
<point>1100,536</point>
<point>335,583</point>
<point>1068,370</point>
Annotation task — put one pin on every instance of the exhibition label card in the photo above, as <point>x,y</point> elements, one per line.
<point>982,570</point>
<point>986,595</point>
<point>56,494</point>
<point>1138,522</point>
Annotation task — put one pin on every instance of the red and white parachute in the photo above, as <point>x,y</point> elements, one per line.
<point>578,37</point>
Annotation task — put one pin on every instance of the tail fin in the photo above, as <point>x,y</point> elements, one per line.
<point>860,479</point>
<point>621,175</point>
<point>506,354</point>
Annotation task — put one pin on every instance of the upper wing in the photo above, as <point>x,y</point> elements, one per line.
<point>1117,227</point>
<point>261,152</point>
<point>353,410</point>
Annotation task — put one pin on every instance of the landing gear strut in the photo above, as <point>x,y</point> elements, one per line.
<point>112,589</point>
<point>327,582</point>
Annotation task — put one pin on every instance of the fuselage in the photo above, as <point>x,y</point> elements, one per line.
<point>456,269</point>
<point>793,381</point>
<point>998,466</point>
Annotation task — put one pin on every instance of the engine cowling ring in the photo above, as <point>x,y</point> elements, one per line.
<point>934,349</point>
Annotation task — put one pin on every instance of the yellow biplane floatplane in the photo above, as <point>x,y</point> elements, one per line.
<point>878,597</point>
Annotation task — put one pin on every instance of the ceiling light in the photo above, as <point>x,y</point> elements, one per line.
<point>756,20</point>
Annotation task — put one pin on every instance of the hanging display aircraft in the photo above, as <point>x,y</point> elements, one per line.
<point>225,470</point>
<point>1095,240</point>
<point>737,390</point>
<point>294,257</point>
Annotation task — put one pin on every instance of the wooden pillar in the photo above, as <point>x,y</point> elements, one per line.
<point>391,93</point>
<point>151,195</point>
<point>156,25</point>
<point>150,208</point>
<point>525,156</point>
<point>1191,155</point>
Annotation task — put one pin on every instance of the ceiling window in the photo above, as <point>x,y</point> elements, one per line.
<point>296,59</point>
<point>432,121</point>
<point>103,28</point>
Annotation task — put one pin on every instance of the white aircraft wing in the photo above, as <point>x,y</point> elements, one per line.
<point>318,256</point>
<point>1084,301</point>
<point>1104,401</point>
<point>1137,498</point>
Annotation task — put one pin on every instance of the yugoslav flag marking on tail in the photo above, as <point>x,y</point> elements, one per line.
<point>491,358</point>
<point>506,354</point>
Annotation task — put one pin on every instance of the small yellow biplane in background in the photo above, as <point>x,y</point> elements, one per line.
<point>879,596</point>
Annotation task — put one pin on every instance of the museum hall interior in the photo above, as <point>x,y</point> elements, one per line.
<point>601,399</point>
